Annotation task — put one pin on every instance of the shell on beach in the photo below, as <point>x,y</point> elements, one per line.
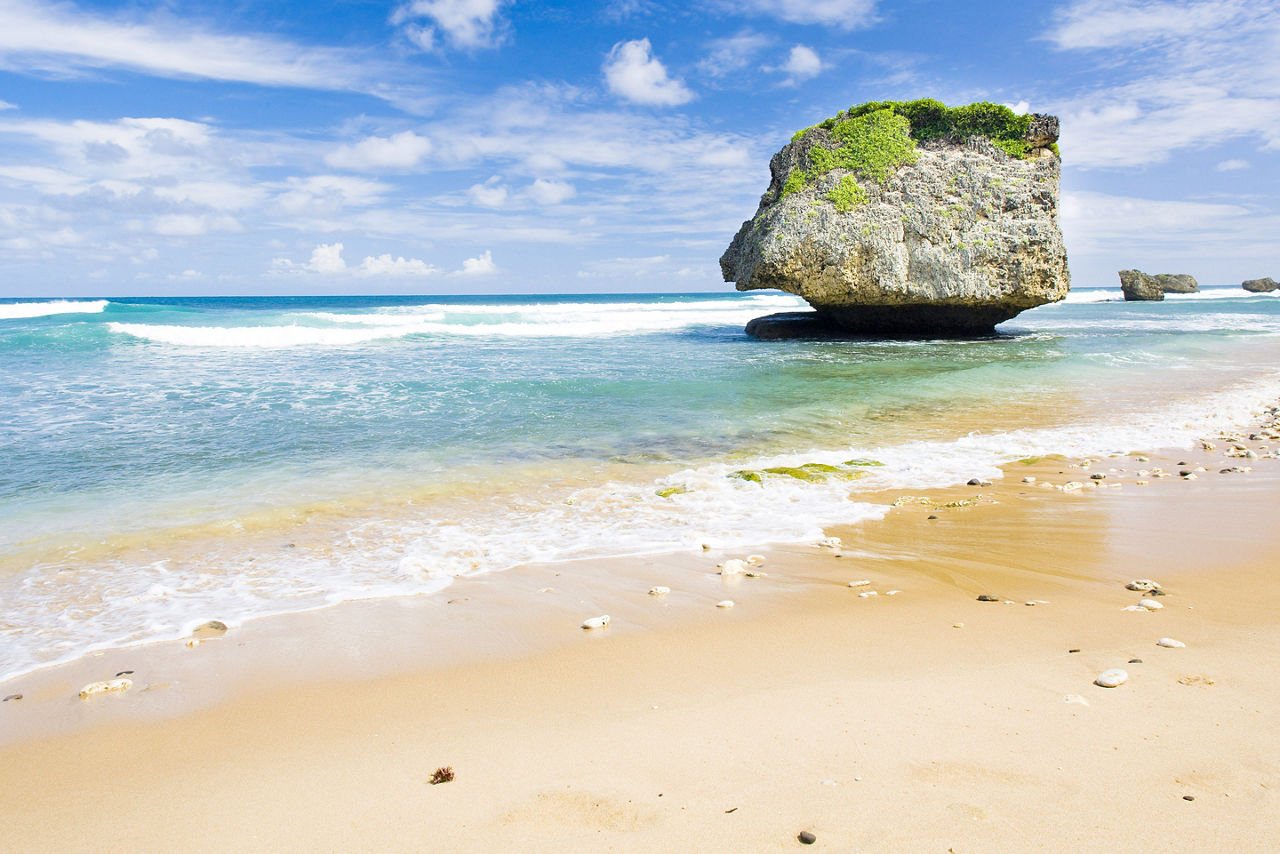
<point>659,590</point>
<point>733,566</point>
<point>1150,604</point>
<point>1142,585</point>
<point>1170,643</point>
<point>1112,678</point>
<point>596,622</point>
<point>106,686</point>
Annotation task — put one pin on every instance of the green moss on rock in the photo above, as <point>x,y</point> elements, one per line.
<point>671,490</point>
<point>875,139</point>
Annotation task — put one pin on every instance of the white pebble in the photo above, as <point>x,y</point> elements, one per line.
<point>892,592</point>
<point>733,567</point>
<point>1170,643</point>
<point>1112,678</point>
<point>659,591</point>
<point>1028,479</point>
<point>107,686</point>
<point>867,594</point>
<point>1150,604</point>
<point>725,603</point>
<point>596,622</point>
<point>1142,585</point>
<point>860,583</point>
<point>1075,698</point>
<point>831,543</point>
<point>1135,608</point>
<point>1072,486</point>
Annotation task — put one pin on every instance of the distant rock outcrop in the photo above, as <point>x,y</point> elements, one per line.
<point>1260,286</point>
<point>1137,285</point>
<point>1178,283</point>
<point>909,218</point>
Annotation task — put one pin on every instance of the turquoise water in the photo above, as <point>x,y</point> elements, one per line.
<point>169,461</point>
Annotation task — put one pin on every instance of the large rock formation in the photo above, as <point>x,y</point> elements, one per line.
<point>1260,286</point>
<point>1178,283</point>
<point>1137,285</point>
<point>909,218</point>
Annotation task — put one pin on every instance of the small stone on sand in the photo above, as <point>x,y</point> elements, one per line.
<point>725,603</point>
<point>659,591</point>
<point>1143,585</point>
<point>596,622</point>
<point>987,597</point>
<point>13,697</point>
<point>733,567</point>
<point>1112,678</point>
<point>107,686</point>
<point>831,543</point>
<point>806,838</point>
<point>860,583</point>
<point>1170,643</point>
<point>1150,604</point>
<point>867,594</point>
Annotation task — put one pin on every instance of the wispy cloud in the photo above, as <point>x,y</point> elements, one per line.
<point>842,14</point>
<point>64,39</point>
<point>1198,74</point>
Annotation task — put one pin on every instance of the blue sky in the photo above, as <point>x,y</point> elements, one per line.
<point>486,146</point>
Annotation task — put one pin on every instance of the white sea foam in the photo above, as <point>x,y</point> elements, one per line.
<point>423,549</point>
<point>259,336</point>
<point>525,320</point>
<point>17,310</point>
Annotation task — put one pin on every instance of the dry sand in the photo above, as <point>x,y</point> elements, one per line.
<point>922,721</point>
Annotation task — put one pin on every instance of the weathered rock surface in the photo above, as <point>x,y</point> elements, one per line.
<point>959,237</point>
<point>1260,286</point>
<point>1177,283</point>
<point>1137,285</point>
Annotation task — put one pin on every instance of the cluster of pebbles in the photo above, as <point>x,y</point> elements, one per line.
<point>1116,676</point>
<point>748,567</point>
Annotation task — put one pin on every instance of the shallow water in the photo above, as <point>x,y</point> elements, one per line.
<point>169,461</point>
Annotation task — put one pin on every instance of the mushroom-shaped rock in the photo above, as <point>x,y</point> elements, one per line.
<point>908,218</point>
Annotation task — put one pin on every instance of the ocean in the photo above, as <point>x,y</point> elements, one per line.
<point>167,461</point>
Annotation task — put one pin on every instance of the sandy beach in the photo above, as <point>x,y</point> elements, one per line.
<point>926,720</point>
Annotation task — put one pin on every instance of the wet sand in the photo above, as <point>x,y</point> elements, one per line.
<point>922,721</point>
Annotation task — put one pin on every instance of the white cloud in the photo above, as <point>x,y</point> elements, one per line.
<point>327,258</point>
<point>1113,23</point>
<point>190,225</point>
<point>1199,74</point>
<point>733,53</point>
<point>1104,233</point>
<point>546,192</point>
<point>844,14</point>
<point>403,150</point>
<point>468,24</point>
<point>802,64</point>
<point>478,266</point>
<point>385,265</point>
<point>632,72</point>
<point>490,194</point>
<point>1232,165</point>
<point>61,38</point>
<point>328,194</point>
<point>5,105</point>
